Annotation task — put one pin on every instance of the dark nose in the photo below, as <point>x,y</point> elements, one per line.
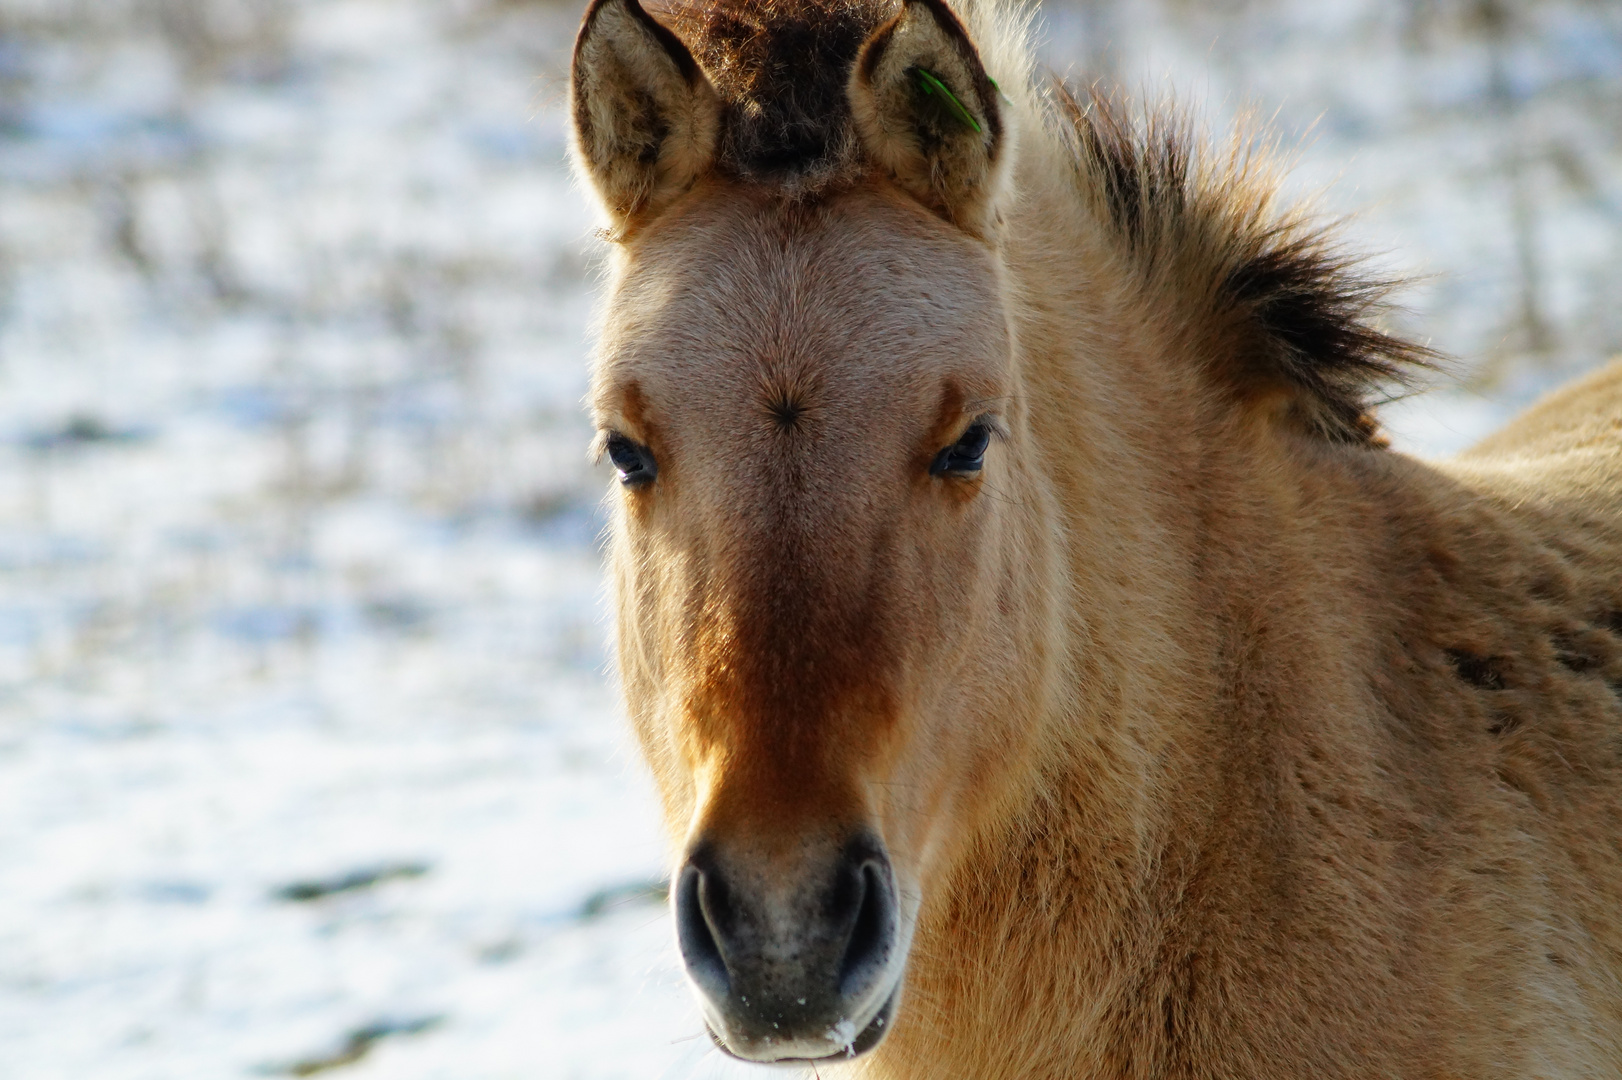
<point>790,964</point>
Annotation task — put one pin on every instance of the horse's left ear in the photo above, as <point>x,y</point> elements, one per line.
<point>928,112</point>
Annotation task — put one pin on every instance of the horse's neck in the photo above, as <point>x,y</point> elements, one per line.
<point>1200,638</point>
<point>1166,519</point>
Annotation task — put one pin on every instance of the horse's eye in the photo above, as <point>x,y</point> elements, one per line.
<point>633,460</point>
<point>967,455</point>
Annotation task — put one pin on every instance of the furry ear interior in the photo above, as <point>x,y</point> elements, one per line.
<point>645,116</point>
<point>927,111</point>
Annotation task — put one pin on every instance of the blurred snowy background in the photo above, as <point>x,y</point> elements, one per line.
<point>310,763</point>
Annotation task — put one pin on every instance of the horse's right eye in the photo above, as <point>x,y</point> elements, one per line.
<point>966,456</point>
<point>633,461</point>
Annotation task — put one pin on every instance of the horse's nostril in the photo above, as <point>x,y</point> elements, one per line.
<point>696,899</point>
<point>781,956</point>
<point>868,952</point>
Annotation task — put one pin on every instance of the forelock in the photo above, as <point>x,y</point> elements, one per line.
<point>781,68</point>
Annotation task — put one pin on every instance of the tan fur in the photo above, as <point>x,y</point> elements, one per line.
<point>1207,737</point>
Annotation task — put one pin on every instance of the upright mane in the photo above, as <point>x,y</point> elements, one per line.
<point>1296,309</point>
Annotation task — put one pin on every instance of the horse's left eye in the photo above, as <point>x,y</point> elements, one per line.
<point>966,456</point>
<point>633,460</point>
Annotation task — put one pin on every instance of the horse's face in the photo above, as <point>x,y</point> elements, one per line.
<point>823,587</point>
<point>811,411</point>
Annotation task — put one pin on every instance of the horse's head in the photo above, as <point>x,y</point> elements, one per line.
<point>807,385</point>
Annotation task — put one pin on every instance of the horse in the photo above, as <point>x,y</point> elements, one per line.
<point>1047,667</point>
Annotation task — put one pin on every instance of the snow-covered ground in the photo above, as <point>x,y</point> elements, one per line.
<point>309,757</point>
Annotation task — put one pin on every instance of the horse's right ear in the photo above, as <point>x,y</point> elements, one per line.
<point>645,117</point>
<point>928,112</point>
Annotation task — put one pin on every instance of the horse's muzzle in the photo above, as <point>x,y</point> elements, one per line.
<point>792,966</point>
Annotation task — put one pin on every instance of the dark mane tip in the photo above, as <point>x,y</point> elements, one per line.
<point>1304,309</point>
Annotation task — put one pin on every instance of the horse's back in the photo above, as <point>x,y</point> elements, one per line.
<point>1581,420</point>
<point>1557,468</point>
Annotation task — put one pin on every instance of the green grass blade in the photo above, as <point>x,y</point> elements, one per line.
<point>932,85</point>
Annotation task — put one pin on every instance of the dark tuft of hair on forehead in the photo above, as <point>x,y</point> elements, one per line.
<point>781,69</point>
<point>786,398</point>
<point>1298,311</point>
<point>785,410</point>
